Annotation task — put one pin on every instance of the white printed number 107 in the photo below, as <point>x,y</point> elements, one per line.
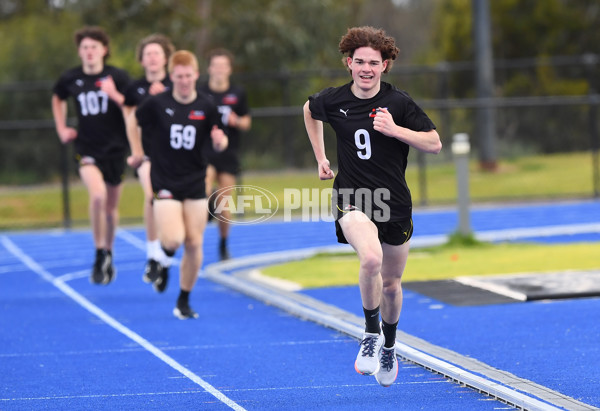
<point>363,143</point>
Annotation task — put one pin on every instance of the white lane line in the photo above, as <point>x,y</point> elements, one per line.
<point>73,276</point>
<point>142,394</point>
<point>305,308</point>
<point>139,244</point>
<point>174,348</point>
<point>131,239</point>
<point>85,303</point>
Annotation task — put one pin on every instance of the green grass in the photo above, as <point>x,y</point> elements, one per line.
<point>547,177</point>
<point>447,261</point>
<point>534,177</point>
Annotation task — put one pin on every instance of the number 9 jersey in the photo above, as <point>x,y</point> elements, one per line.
<point>179,135</point>
<point>368,159</point>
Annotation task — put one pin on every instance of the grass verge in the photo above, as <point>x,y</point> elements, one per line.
<point>524,178</point>
<point>446,261</point>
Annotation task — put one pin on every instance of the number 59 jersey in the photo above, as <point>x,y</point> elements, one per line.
<point>101,129</point>
<point>178,134</point>
<point>367,159</point>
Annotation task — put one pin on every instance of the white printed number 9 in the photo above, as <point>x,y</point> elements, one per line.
<point>183,136</point>
<point>363,143</point>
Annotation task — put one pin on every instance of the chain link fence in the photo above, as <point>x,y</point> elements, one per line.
<point>543,106</point>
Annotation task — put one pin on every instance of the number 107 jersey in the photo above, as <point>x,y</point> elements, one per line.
<point>101,128</point>
<point>368,159</point>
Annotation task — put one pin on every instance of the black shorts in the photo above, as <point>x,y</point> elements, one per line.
<point>112,169</point>
<point>226,162</point>
<point>196,192</point>
<point>389,232</point>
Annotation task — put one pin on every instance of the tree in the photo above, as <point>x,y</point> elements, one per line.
<point>526,30</point>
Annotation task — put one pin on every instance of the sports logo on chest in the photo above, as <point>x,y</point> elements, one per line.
<point>196,115</point>
<point>374,111</point>
<point>230,99</point>
<point>100,80</point>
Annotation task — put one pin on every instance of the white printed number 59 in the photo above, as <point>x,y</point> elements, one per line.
<point>363,143</point>
<point>183,136</point>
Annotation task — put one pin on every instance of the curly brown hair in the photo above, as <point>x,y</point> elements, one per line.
<point>156,38</point>
<point>367,36</point>
<point>95,33</point>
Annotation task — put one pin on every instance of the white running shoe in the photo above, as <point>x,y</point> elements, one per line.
<point>367,360</point>
<point>388,367</point>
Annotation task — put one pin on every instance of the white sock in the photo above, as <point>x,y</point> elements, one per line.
<point>152,249</point>
<point>164,259</point>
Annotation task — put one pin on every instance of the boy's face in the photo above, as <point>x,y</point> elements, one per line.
<point>91,52</point>
<point>219,67</point>
<point>184,80</point>
<point>366,66</point>
<point>153,57</point>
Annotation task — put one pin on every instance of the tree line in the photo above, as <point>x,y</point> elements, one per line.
<point>273,40</point>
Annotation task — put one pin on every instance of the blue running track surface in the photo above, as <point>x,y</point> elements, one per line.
<point>68,344</point>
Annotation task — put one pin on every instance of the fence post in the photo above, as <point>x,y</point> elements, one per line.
<point>64,171</point>
<point>460,150</point>
<point>590,61</point>
<point>595,146</point>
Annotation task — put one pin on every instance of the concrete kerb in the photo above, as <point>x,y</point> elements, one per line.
<point>492,382</point>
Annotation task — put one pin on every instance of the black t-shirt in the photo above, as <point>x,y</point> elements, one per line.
<point>179,135</point>
<point>234,99</point>
<point>138,90</point>
<point>368,159</point>
<point>101,129</point>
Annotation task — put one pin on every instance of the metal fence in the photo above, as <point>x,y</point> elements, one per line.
<point>30,152</point>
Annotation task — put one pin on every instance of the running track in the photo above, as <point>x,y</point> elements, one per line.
<point>65,344</point>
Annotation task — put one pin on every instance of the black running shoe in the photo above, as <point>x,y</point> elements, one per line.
<point>97,276</point>
<point>183,311</point>
<point>151,271</point>
<point>160,284</point>
<point>110,272</point>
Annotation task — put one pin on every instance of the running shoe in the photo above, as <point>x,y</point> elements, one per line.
<point>97,276</point>
<point>151,271</point>
<point>183,311</point>
<point>160,284</point>
<point>388,367</point>
<point>367,360</point>
<point>110,272</point>
<point>102,266</point>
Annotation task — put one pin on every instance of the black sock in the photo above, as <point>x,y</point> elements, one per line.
<point>389,332</point>
<point>168,253</point>
<point>372,320</point>
<point>184,297</point>
<point>223,243</point>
